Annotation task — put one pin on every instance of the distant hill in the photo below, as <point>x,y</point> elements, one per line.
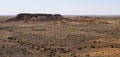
<point>26,17</point>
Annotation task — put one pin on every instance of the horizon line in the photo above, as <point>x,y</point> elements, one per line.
<point>69,15</point>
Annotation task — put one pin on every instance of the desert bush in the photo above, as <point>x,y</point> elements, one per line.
<point>11,38</point>
<point>87,55</point>
<point>93,46</point>
<point>39,29</point>
<point>79,48</point>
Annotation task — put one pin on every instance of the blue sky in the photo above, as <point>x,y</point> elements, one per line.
<point>65,7</point>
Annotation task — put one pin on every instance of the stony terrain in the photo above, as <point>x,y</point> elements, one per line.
<point>74,36</point>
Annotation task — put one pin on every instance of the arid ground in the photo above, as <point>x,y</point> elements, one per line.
<point>80,36</point>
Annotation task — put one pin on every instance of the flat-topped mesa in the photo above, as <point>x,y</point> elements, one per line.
<point>39,17</point>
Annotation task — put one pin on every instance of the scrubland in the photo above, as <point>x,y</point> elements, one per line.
<point>81,36</point>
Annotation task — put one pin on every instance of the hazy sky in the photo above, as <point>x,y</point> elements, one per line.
<point>66,7</point>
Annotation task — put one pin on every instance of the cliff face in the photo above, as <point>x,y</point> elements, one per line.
<point>39,17</point>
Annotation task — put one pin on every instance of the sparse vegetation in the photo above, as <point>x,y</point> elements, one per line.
<point>84,38</point>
